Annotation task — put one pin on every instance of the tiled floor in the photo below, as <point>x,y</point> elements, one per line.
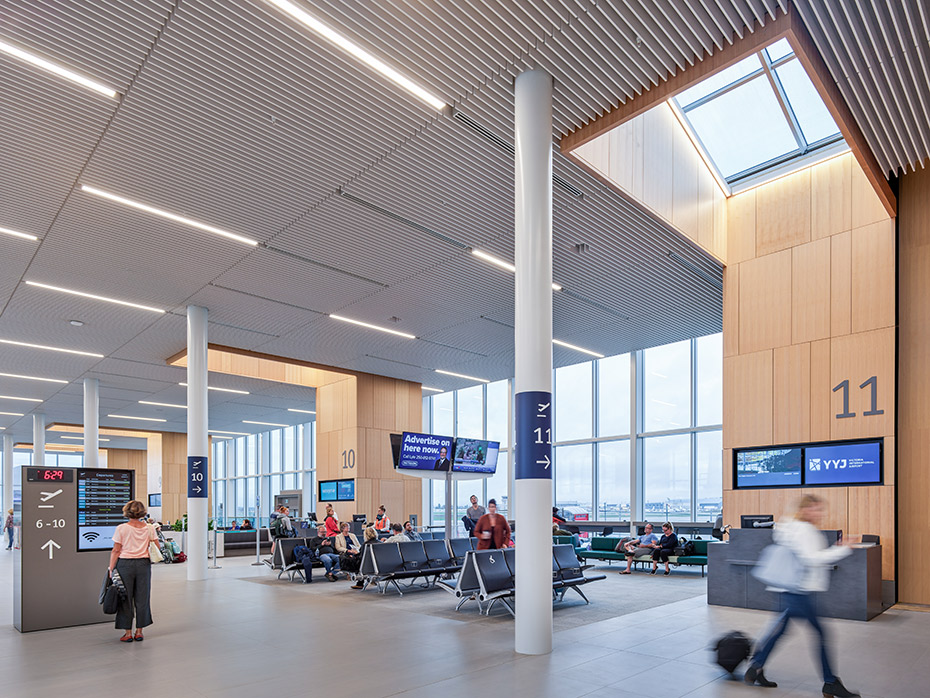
<point>230,637</point>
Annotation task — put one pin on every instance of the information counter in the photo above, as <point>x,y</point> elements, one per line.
<point>855,591</point>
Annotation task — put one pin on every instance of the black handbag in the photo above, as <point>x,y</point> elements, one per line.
<point>109,595</point>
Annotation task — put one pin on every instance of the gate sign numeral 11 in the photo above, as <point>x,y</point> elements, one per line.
<point>873,410</point>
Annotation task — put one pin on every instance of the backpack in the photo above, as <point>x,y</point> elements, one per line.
<point>689,547</point>
<point>732,649</point>
<point>279,530</point>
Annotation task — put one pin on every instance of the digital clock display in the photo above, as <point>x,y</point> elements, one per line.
<point>50,474</point>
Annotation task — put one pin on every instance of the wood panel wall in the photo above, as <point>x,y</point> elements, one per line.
<point>809,301</point>
<point>652,159</point>
<point>135,460</point>
<point>914,384</point>
<point>360,413</point>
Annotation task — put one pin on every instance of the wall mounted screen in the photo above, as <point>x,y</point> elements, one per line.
<point>328,491</point>
<point>337,490</point>
<point>768,467</point>
<point>475,456</point>
<point>425,452</point>
<point>844,464</point>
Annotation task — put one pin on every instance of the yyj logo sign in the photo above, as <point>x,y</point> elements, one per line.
<point>818,464</point>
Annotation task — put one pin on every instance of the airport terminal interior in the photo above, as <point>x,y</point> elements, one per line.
<point>595,266</point>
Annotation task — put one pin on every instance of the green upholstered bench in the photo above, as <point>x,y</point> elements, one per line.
<point>602,548</point>
<point>699,557</point>
<point>573,540</point>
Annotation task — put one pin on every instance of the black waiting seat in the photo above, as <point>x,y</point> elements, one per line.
<point>457,549</point>
<point>389,565</point>
<point>569,574</point>
<point>473,542</point>
<point>283,558</point>
<point>494,578</point>
<point>439,558</point>
<point>414,556</point>
<point>510,557</point>
<point>466,586</point>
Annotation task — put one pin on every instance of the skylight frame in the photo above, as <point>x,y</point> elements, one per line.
<point>806,152</point>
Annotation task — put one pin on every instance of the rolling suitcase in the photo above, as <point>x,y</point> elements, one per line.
<point>732,649</point>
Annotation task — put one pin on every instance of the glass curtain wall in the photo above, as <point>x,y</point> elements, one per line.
<point>670,398</point>
<point>241,479</point>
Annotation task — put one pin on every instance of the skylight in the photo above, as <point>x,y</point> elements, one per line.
<point>759,117</point>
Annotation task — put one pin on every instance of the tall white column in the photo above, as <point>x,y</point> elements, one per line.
<point>38,439</point>
<point>533,358</point>
<point>91,423</point>
<point>198,473</point>
<point>7,474</point>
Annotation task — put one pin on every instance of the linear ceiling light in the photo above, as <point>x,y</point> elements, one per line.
<point>42,346</point>
<point>223,390</point>
<point>234,433</point>
<point>33,378</point>
<point>169,216</point>
<point>373,327</point>
<point>461,375</point>
<point>577,348</point>
<point>80,438</point>
<point>358,52</point>
<point>57,69</point>
<point>293,409</point>
<point>217,436</point>
<point>497,261</point>
<point>13,414</point>
<point>433,390</point>
<point>162,404</point>
<point>16,233</point>
<point>264,424</point>
<point>143,419</point>
<point>94,297</point>
<point>24,399</point>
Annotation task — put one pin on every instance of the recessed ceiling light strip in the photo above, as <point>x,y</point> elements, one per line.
<point>16,233</point>
<point>234,433</point>
<point>80,438</point>
<point>162,404</point>
<point>93,296</point>
<point>406,335</point>
<point>497,261</point>
<point>358,52</point>
<point>142,419</point>
<point>24,399</point>
<point>223,390</point>
<point>42,346</point>
<point>577,348</point>
<point>461,375</point>
<point>170,216</point>
<point>294,409</point>
<point>57,69</point>
<point>433,390</point>
<point>265,424</point>
<point>13,414</point>
<point>33,378</point>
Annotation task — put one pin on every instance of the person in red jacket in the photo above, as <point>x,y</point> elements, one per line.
<point>492,529</point>
<point>331,522</point>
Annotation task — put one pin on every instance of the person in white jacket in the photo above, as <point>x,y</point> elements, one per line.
<point>803,536</point>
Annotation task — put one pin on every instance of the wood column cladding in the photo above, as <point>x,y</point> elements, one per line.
<point>356,412</point>
<point>914,386</point>
<point>809,301</point>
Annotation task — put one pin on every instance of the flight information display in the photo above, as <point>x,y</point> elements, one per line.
<point>101,494</point>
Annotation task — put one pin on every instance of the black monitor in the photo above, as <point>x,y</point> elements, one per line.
<point>361,518</point>
<point>756,521</point>
<point>155,500</point>
<point>311,515</point>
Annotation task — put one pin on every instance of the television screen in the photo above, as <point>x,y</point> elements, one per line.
<point>155,500</point>
<point>425,452</point>
<point>345,490</point>
<point>328,491</point>
<point>768,467</point>
<point>475,456</point>
<point>844,464</point>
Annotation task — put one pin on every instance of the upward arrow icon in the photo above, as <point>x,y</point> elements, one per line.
<point>51,545</point>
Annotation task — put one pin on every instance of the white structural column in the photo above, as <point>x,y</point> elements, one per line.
<point>533,358</point>
<point>38,439</point>
<point>7,474</point>
<point>91,423</point>
<point>198,473</point>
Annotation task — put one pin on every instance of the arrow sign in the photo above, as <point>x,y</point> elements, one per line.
<point>533,415</point>
<point>196,477</point>
<point>545,460</point>
<point>51,545</point>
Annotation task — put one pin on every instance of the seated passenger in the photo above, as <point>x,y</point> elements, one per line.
<point>639,547</point>
<point>410,533</point>
<point>323,546</point>
<point>665,547</point>
<point>246,525</point>
<point>306,557</point>
<point>349,549</point>
<point>399,536</point>
<point>556,531</point>
<point>369,536</point>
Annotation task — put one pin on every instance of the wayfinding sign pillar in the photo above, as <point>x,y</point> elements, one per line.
<point>66,518</point>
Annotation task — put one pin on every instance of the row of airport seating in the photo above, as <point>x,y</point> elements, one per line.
<point>488,576</point>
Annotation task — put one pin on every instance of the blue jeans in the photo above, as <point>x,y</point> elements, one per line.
<point>330,562</point>
<point>9,532</point>
<point>800,606</point>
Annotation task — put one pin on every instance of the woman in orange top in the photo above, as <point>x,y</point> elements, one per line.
<point>130,557</point>
<point>382,522</point>
<point>492,529</point>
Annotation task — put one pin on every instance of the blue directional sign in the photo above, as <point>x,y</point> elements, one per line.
<point>534,436</point>
<point>197,483</point>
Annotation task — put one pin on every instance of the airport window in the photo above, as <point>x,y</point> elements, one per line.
<point>760,116</point>
<point>709,380</point>
<point>667,385</point>
<point>573,485</point>
<point>667,478</point>
<point>442,414</point>
<point>469,413</point>
<point>497,410</point>
<point>574,408</point>
<point>708,475</point>
<point>613,481</point>
<point>613,396</point>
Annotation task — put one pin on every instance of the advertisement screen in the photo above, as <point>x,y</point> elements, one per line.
<point>769,467</point>
<point>345,490</point>
<point>475,456</point>
<point>327,491</point>
<point>425,452</point>
<point>844,464</point>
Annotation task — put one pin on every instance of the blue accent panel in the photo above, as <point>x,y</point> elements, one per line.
<point>534,436</point>
<point>197,479</point>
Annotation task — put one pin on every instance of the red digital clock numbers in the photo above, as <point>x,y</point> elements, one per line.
<point>57,475</point>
